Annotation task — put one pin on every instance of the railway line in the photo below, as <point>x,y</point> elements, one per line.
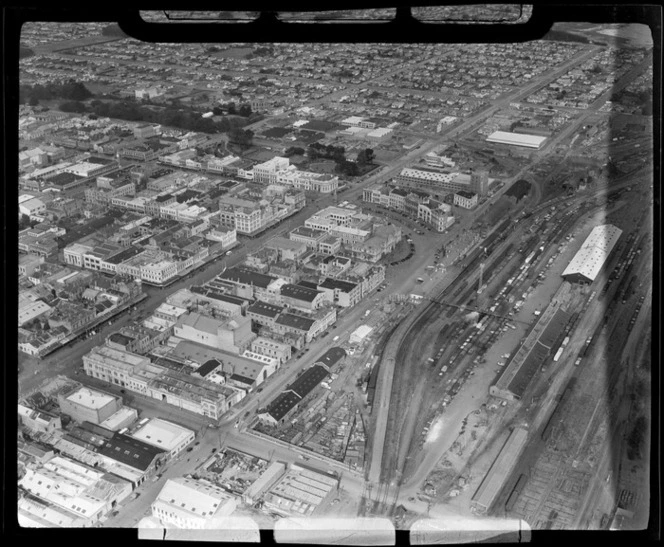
<point>428,364</point>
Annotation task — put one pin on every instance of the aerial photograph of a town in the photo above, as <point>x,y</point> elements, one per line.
<point>296,286</point>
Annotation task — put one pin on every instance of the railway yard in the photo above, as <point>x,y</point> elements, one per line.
<point>507,291</point>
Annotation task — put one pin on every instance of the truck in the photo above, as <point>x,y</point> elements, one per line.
<point>558,354</point>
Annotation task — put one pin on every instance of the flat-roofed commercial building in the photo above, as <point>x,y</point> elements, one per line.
<point>88,405</point>
<point>271,348</point>
<point>464,199</point>
<point>112,365</point>
<point>166,435</point>
<point>589,259</point>
<point>191,504</point>
<point>516,139</point>
<point>343,293</point>
<point>193,394</point>
<point>309,236</point>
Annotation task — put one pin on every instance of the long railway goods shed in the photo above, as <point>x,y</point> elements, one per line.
<point>537,348</point>
<point>589,259</point>
<point>500,471</point>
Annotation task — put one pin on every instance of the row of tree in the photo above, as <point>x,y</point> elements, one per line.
<point>170,116</point>
<point>317,151</point>
<point>338,155</point>
<point>70,90</point>
<point>232,109</point>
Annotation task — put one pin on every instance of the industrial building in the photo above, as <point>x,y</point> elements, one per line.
<point>64,493</point>
<point>271,475</point>
<point>166,435</point>
<point>87,405</point>
<point>589,259</point>
<point>359,334</point>
<point>191,504</point>
<point>129,458</point>
<point>516,139</point>
<point>299,492</point>
<point>442,180</point>
<point>287,401</point>
<point>500,471</point>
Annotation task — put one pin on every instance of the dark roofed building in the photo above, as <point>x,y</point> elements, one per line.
<point>247,277</point>
<point>164,198</point>
<point>125,254</point>
<point>260,309</point>
<point>284,403</point>
<point>120,339</point>
<point>208,368</point>
<point>528,369</point>
<point>296,322</point>
<point>89,435</point>
<point>331,357</point>
<point>132,452</point>
<point>288,399</point>
<point>308,285</point>
<point>554,329</point>
<point>338,284</point>
<point>299,292</point>
<point>308,380</point>
<point>62,179</point>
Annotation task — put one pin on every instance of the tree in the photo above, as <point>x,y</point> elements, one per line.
<point>347,168</point>
<point>24,222</point>
<point>294,151</point>
<point>365,156</point>
<point>241,137</point>
<point>231,108</point>
<point>245,110</point>
<point>34,101</point>
<point>72,106</point>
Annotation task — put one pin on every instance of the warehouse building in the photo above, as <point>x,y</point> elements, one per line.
<point>516,139</point>
<point>271,475</point>
<point>288,400</point>
<point>517,375</point>
<point>299,492</point>
<point>166,435</point>
<point>589,259</point>
<point>500,471</point>
<point>191,504</point>
<point>87,405</point>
